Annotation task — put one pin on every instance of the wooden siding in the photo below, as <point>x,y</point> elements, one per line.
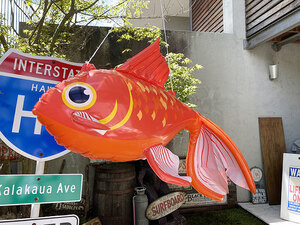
<point>287,34</point>
<point>207,15</point>
<point>261,14</point>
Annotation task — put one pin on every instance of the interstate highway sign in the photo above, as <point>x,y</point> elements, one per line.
<point>51,220</point>
<point>23,79</point>
<point>46,188</point>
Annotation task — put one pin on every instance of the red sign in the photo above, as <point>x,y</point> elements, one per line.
<point>165,205</point>
<point>23,79</point>
<point>39,67</point>
<point>6,153</point>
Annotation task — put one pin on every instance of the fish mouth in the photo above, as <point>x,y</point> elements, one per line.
<point>88,121</point>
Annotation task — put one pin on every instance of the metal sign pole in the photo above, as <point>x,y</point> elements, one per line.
<point>35,208</point>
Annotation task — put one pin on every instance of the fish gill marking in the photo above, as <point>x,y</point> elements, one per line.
<point>164,104</point>
<point>129,86</point>
<point>164,122</point>
<point>147,89</point>
<point>140,115</point>
<point>141,86</point>
<point>163,94</point>
<point>153,115</point>
<point>127,116</point>
<point>111,115</point>
<point>172,103</point>
<point>154,90</point>
<point>85,115</point>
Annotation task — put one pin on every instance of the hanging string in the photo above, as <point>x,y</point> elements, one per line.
<point>165,34</point>
<point>109,32</point>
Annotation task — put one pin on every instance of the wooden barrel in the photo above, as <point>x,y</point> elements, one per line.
<point>113,192</point>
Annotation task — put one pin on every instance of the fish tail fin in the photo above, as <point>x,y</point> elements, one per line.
<point>212,157</point>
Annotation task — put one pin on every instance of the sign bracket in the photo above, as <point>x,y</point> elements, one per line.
<point>35,208</point>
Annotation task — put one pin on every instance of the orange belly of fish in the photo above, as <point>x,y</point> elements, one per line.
<point>99,147</point>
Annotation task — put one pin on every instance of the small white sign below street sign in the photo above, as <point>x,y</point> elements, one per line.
<point>52,220</point>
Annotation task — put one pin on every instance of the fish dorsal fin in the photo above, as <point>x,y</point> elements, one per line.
<point>148,65</point>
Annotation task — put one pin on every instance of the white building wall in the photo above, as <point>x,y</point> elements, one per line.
<point>176,12</point>
<point>13,12</point>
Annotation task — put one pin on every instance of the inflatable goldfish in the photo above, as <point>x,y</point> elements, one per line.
<point>126,114</point>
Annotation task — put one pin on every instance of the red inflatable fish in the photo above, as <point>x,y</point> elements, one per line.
<point>126,114</point>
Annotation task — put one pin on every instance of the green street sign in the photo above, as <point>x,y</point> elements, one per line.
<point>46,188</point>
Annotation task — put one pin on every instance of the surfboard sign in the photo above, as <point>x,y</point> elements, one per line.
<point>165,205</point>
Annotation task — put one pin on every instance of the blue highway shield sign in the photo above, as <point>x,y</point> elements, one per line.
<point>23,79</point>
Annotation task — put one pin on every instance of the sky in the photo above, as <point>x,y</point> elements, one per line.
<point>5,9</point>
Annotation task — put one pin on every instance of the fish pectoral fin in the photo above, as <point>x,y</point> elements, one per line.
<point>165,164</point>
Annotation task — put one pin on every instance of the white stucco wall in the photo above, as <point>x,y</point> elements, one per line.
<point>236,90</point>
<point>176,14</point>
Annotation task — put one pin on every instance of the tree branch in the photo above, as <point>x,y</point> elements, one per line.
<point>12,16</point>
<point>86,8</point>
<point>67,16</point>
<point>99,17</point>
<point>21,9</point>
<point>59,8</point>
<point>39,26</point>
<point>3,42</point>
<point>121,3</point>
<point>35,10</point>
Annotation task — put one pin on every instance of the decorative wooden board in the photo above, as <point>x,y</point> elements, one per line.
<point>195,199</point>
<point>165,205</point>
<point>272,146</point>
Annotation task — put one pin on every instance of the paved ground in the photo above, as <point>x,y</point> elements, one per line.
<point>270,214</point>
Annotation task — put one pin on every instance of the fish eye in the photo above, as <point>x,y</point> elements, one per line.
<point>79,96</point>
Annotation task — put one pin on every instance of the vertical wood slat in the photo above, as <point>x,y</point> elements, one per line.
<point>269,13</point>
<point>252,4</point>
<point>208,7</point>
<point>200,6</point>
<point>210,15</point>
<point>218,26</point>
<point>272,146</point>
<point>209,25</point>
<point>272,19</point>
<point>263,13</point>
<point>199,13</point>
<point>261,8</point>
<point>207,15</point>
